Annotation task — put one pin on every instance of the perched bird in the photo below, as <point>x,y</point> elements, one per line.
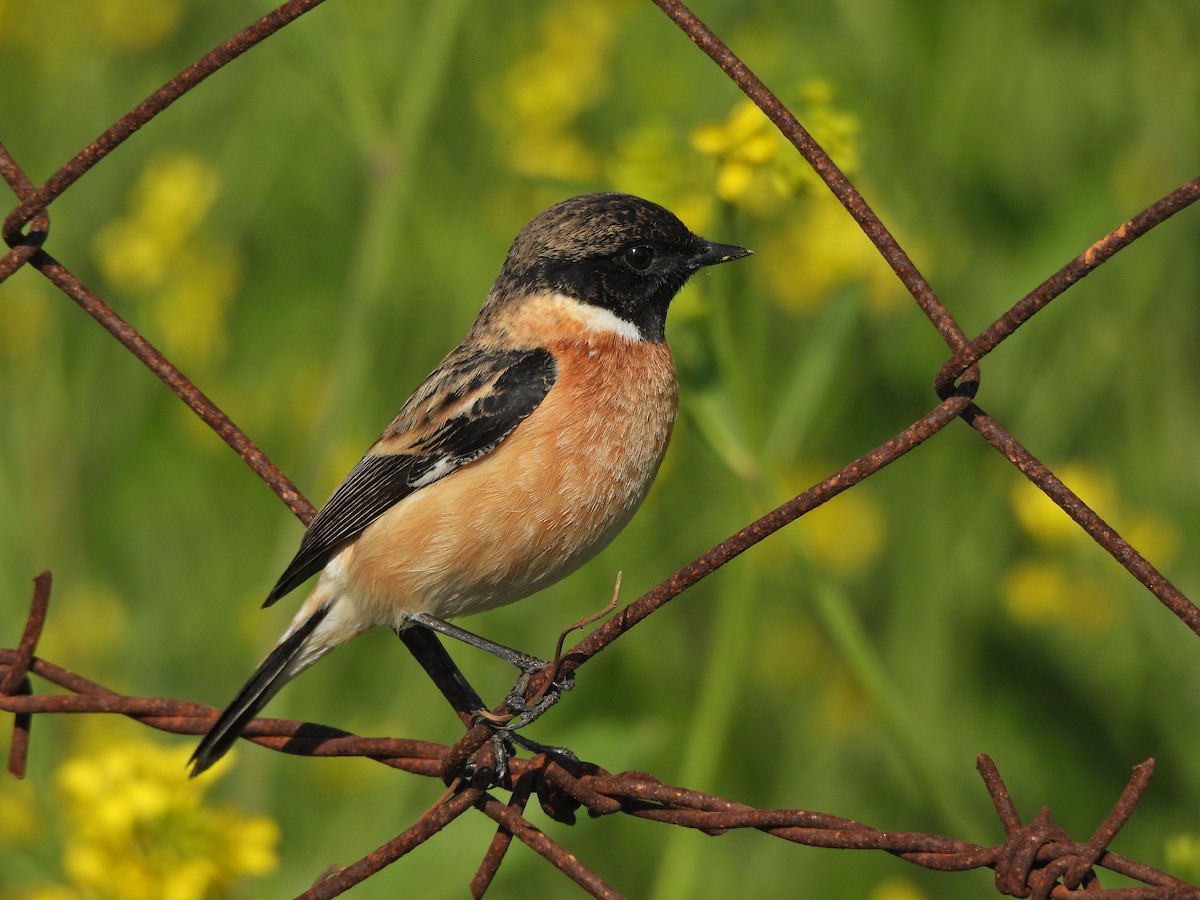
<point>518,459</point>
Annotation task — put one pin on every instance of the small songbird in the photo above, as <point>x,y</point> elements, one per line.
<point>518,459</point>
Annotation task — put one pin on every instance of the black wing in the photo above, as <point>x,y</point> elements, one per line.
<point>471,403</point>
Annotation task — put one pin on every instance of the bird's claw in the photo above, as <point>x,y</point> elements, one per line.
<point>505,738</point>
<point>525,712</point>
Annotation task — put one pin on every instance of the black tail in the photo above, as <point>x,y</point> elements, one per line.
<point>269,678</point>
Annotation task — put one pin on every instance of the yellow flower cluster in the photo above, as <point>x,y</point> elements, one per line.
<point>847,534</point>
<point>814,248</point>
<point>652,160</point>
<point>757,168</point>
<point>1052,587</point>
<point>157,254</point>
<point>1047,592</point>
<point>741,163</point>
<point>137,829</point>
<point>820,250</point>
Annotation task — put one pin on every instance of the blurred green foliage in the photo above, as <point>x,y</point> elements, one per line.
<point>311,229</point>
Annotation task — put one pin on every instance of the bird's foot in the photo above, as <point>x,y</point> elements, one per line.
<point>528,711</point>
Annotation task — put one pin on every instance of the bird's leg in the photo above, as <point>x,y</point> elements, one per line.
<point>531,709</point>
<point>515,700</point>
<point>437,663</point>
<point>429,652</point>
<point>523,661</point>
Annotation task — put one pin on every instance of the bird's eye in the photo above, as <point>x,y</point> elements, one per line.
<point>638,257</point>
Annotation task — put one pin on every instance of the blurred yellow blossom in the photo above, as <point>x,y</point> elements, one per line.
<point>48,892</point>
<point>166,205</point>
<point>137,828</point>
<point>845,535</point>
<point>816,247</point>
<point>646,162</point>
<point>158,254</point>
<point>1042,592</point>
<point>534,105</point>
<point>1041,517</point>
<point>897,889</point>
<point>1183,856</point>
<point>189,315</point>
<point>820,250</point>
<point>757,168</point>
<point>1061,590</point>
<point>747,145</point>
<point>1155,538</point>
<point>100,620</point>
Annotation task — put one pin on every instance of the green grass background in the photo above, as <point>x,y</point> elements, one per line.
<point>367,196</point>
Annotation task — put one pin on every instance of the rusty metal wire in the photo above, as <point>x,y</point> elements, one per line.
<point>26,247</point>
<point>1036,859</point>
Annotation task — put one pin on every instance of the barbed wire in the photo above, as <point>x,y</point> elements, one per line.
<point>1037,859</point>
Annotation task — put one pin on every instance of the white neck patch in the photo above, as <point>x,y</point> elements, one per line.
<point>597,318</point>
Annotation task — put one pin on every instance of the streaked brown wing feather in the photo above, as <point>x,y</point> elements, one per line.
<point>462,411</point>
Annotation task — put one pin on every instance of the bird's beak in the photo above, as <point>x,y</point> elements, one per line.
<point>712,254</point>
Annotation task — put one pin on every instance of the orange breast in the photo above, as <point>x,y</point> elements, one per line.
<point>550,497</point>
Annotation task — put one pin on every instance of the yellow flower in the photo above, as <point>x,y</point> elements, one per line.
<point>48,892</point>
<point>1156,539</point>
<point>1183,856</point>
<point>157,253</point>
<point>167,205</point>
<point>534,105</point>
<point>190,309</point>
<point>173,195</point>
<point>138,828</point>
<point>757,168</point>
<point>845,535</point>
<point>1043,520</point>
<point>646,162</point>
<point>252,845</point>
<point>1036,592</point>
<point>821,250</point>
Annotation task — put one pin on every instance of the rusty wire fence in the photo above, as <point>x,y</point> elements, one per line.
<point>1037,857</point>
